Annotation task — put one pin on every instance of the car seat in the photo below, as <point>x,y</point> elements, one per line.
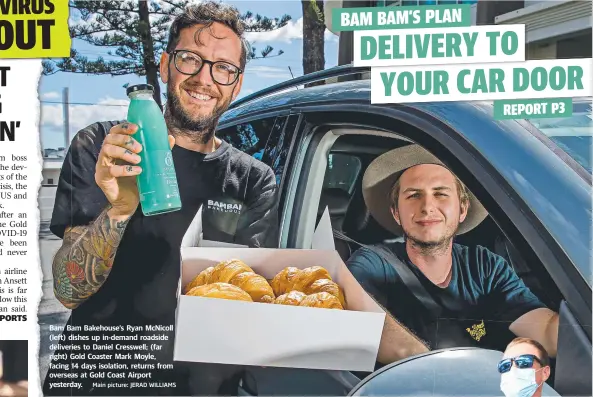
<point>337,201</point>
<point>484,234</point>
<point>360,225</point>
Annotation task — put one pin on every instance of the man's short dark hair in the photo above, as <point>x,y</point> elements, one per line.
<point>206,13</point>
<point>543,354</point>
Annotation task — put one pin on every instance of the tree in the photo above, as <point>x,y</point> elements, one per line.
<point>313,37</point>
<point>135,31</point>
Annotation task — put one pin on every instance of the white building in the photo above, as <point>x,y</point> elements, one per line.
<point>554,29</point>
<point>47,193</point>
<point>51,171</point>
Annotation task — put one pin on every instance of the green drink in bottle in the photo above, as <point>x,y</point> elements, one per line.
<point>157,184</point>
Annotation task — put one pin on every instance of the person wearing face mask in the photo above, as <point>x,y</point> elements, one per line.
<point>118,268</point>
<point>524,369</point>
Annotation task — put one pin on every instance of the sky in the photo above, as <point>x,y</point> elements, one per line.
<point>109,95</point>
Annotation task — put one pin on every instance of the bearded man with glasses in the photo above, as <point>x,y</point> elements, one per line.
<point>117,267</point>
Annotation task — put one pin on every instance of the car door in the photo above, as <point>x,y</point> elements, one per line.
<point>544,197</point>
<point>514,174</point>
<point>573,363</point>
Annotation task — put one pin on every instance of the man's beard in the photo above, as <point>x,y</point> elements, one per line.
<point>199,129</point>
<point>427,248</point>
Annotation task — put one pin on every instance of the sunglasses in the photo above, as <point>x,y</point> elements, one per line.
<point>522,361</point>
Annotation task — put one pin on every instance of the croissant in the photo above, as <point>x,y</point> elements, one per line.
<point>326,285</point>
<point>323,300</point>
<point>225,271</point>
<point>220,291</point>
<point>201,279</point>
<point>308,276</point>
<point>255,285</point>
<point>292,298</point>
<point>284,280</point>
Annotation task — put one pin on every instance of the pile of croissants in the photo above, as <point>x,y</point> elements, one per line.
<point>234,280</point>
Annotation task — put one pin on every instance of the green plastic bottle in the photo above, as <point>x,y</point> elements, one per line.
<point>157,184</point>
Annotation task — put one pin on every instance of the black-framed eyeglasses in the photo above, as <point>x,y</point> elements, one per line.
<point>522,361</point>
<point>190,63</point>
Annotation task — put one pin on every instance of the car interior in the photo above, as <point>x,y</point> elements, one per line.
<point>331,171</point>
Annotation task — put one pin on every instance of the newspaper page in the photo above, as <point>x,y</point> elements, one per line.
<point>313,198</point>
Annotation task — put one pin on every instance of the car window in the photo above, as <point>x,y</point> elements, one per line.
<point>251,137</point>
<point>572,134</point>
<point>342,172</point>
<point>258,138</point>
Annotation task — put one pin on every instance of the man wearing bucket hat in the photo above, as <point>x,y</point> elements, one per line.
<point>444,293</point>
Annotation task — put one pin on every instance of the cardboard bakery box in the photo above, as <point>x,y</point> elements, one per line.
<point>264,334</point>
<point>194,237</point>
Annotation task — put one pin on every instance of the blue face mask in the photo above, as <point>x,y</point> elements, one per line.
<point>519,382</point>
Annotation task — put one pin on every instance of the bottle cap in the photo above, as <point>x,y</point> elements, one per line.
<point>139,87</point>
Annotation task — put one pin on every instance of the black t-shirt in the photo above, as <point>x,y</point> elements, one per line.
<point>481,301</point>
<point>238,196</point>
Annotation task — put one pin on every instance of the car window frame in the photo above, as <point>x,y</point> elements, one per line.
<point>289,138</point>
<point>249,118</point>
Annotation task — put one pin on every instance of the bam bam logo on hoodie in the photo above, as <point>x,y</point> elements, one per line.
<point>234,208</point>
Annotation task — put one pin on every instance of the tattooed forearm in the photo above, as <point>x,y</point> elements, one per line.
<point>83,262</point>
